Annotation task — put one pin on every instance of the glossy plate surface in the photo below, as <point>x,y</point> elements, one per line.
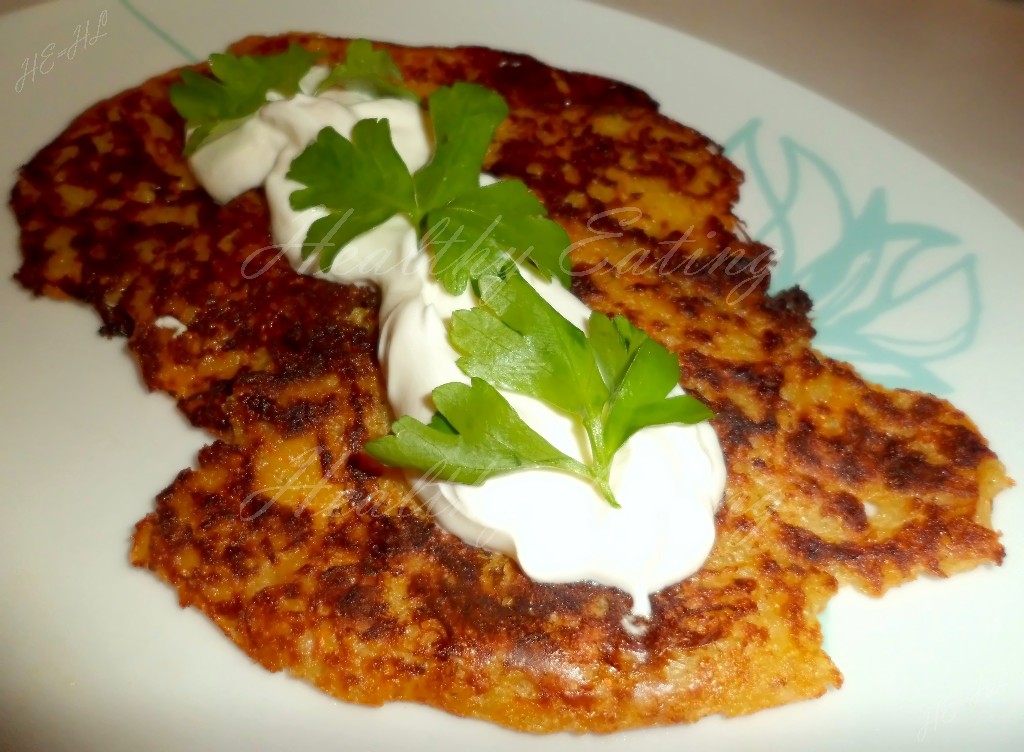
<point>916,280</point>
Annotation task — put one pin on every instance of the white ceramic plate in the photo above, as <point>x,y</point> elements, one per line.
<point>916,278</point>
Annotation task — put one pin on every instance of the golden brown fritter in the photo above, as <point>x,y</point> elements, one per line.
<point>315,559</point>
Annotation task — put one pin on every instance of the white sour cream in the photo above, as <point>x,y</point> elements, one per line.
<point>668,479</point>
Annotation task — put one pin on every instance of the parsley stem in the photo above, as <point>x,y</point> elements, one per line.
<point>600,479</point>
<point>600,467</point>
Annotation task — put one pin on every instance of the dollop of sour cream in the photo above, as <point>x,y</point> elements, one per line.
<point>668,479</point>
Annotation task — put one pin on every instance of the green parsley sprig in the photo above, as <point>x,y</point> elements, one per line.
<point>614,381</point>
<point>369,71</point>
<point>213,107</point>
<point>474,435</point>
<point>472,230</point>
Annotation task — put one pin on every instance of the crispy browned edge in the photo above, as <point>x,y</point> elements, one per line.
<point>346,581</point>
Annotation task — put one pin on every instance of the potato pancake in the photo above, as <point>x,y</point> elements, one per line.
<point>317,560</point>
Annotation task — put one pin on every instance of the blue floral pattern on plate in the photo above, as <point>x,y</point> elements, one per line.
<point>872,277</point>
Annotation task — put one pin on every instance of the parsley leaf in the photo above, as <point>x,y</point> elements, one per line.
<point>474,436</point>
<point>517,341</point>
<point>371,72</point>
<point>503,222</point>
<point>476,230</point>
<point>639,373</point>
<point>362,183</point>
<point>213,108</point>
<point>464,118</point>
